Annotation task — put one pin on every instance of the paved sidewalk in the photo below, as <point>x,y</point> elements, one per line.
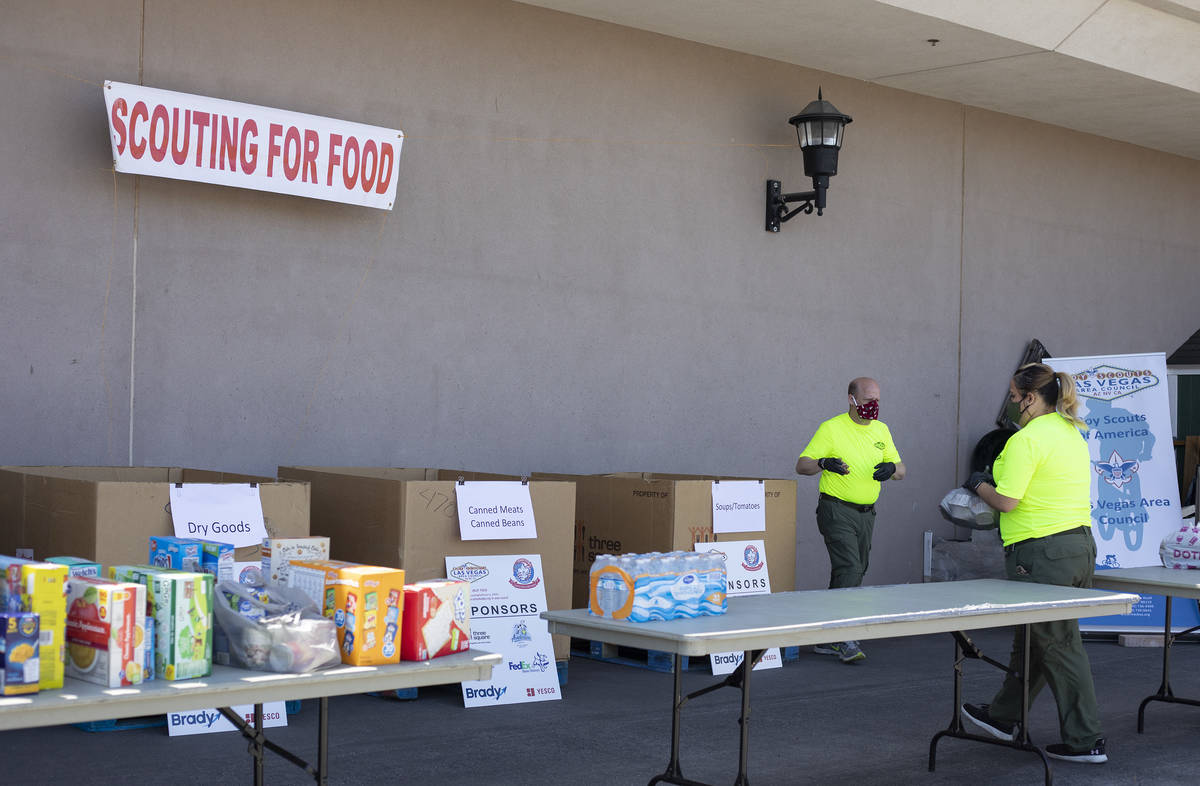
<point>814,721</point>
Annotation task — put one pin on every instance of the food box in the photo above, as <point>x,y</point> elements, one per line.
<point>106,631</point>
<point>368,609</point>
<point>168,551</point>
<point>216,558</point>
<point>278,552</point>
<point>39,587</point>
<point>437,619</point>
<point>316,579</point>
<point>20,663</point>
<point>77,566</point>
<point>181,606</point>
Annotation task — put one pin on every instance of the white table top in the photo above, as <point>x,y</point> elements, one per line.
<point>787,619</point>
<point>79,701</point>
<point>1151,580</point>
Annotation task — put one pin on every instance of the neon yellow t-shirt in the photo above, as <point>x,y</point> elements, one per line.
<point>861,447</point>
<point>1046,466</point>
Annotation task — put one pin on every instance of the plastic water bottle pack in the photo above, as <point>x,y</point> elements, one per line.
<point>657,586</point>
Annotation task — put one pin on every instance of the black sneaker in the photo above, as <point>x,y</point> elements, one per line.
<point>1094,755</point>
<point>978,716</point>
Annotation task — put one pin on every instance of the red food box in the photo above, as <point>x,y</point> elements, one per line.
<point>437,619</point>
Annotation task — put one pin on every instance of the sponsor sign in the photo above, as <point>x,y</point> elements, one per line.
<point>507,597</point>
<point>494,510</point>
<point>224,512</point>
<point>739,506</point>
<point>745,574</point>
<point>189,137</point>
<point>182,724</point>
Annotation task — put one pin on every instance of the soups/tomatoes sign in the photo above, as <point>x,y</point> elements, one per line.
<point>739,506</point>
<point>507,597</point>
<point>745,574</point>
<point>224,512</point>
<point>189,137</point>
<point>494,510</point>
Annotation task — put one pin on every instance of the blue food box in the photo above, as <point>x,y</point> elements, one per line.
<point>216,558</point>
<point>167,551</point>
<point>19,653</point>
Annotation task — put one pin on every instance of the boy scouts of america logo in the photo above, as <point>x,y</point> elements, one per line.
<point>523,577</point>
<point>1117,471</point>
<point>520,635</point>
<point>751,559</point>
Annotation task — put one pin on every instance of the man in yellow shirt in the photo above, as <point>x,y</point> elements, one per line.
<point>854,454</point>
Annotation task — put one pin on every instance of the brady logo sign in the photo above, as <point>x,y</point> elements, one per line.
<point>490,692</point>
<point>189,137</point>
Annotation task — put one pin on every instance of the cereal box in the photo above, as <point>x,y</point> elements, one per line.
<point>20,663</point>
<point>39,587</point>
<point>437,619</point>
<point>106,631</point>
<point>278,552</point>
<point>167,551</point>
<point>181,606</point>
<point>367,606</point>
<point>77,566</point>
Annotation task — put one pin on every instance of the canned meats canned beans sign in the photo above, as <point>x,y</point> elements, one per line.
<point>188,137</point>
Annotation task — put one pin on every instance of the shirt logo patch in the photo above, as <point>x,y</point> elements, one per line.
<point>880,445</point>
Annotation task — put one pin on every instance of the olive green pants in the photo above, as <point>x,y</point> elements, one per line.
<point>1056,654</point>
<point>847,534</point>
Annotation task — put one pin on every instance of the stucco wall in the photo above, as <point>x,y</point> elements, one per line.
<point>575,277</point>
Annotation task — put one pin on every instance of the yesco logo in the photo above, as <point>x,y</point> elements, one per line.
<point>490,692</point>
<point>202,718</point>
<point>468,571</point>
<point>1105,383</point>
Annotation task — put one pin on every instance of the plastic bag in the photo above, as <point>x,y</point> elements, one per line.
<point>273,628</point>
<point>966,509</point>
<point>1181,549</point>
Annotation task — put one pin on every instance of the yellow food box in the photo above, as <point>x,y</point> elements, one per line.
<point>39,587</point>
<point>366,604</point>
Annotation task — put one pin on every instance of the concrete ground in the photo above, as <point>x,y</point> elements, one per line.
<point>814,721</point>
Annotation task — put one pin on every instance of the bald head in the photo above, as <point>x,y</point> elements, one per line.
<point>863,388</point>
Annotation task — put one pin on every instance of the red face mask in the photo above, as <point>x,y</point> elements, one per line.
<point>868,410</point>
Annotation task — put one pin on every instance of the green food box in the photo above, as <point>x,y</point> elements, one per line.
<point>181,605</point>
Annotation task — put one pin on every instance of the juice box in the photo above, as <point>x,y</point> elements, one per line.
<point>368,608</point>
<point>278,552</point>
<point>167,551</point>
<point>106,631</point>
<point>181,606</point>
<point>39,587</point>
<point>77,566</point>
<point>436,619</point>
<point>216,558</point>
<point>20,663</point>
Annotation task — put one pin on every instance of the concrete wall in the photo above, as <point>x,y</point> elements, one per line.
<point>575,277</point>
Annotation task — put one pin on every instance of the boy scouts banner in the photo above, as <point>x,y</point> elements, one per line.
<point>188,137</point>
<point>1135,494</point>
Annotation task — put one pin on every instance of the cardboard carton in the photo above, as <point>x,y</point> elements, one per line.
<point>634,512</point>
<point>408,518</point>
<point>20,662</point>
<point>437,619</point>
<point>108,514</point>
<point>41,588</point>
<point>279,553</point>
<point>168,551</point>
<point>181,605</point>
<point>367,606</point>
<point>77,566</point>
<point>106,631</point>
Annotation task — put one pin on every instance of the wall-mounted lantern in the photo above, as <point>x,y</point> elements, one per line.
<point>819,131</point>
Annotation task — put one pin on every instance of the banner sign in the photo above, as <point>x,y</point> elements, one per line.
<point>739,506</point>
<point>1135,493</point>
<point>224,512</point>
<point>507,595</point>
<point>181,724</point>
<point>189,137</point>
<point>745,574</point>
<point>494,510</point>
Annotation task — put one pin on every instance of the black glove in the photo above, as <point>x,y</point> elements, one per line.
<point>976,478</point>
<point>834,465</point>
<point>884,470</point>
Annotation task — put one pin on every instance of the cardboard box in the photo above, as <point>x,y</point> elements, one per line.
<point>106,631</point>
<point>633,512</point>
<point>77,566</point>
<point>437,619</point>
<point>315,578</point>
<point>217,558</point>
<point>20,661</point>
<point>108,514</point>
<point>279,553</point>
<point>181,605</point>
<point>408,518</point>
<point>41,588</point>
<point>367,606</point>
<point>168,551</point>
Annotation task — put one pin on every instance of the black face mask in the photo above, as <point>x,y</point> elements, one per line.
<point>1014,411</point>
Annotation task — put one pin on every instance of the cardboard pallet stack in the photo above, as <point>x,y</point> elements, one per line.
<point>408,518</point>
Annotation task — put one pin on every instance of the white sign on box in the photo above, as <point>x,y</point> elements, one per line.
<point>745,574</point>
<point>507,597</point>
<point>224,512</point>
<point>190,137</point>
<point>181,724</point>
<point>739,506</point>
<point>494,510</point>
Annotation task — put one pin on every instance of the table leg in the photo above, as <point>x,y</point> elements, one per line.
<point>748,661</point>
<point>323,741</point>
<point>673,769</point>
<point>257,744</point>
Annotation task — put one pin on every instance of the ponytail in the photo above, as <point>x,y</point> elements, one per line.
<point>1068,401</point>
<point>1057,389</point>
